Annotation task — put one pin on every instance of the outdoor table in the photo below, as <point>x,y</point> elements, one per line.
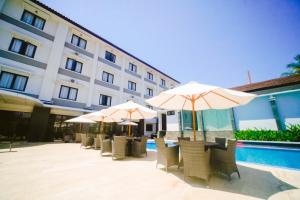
<point>208,145</point>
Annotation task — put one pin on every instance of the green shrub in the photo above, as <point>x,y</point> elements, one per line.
<point>292,134</point>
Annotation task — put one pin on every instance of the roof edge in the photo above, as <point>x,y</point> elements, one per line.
<point>269,84</point>
<point>97,36</point>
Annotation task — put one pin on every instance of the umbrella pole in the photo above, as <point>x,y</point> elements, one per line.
<point>129,127</point>
<point>194,118</point>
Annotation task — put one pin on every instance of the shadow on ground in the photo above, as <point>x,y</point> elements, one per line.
<point>254,182</point>
<point>4,146</point>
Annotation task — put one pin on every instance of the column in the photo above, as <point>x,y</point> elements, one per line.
<point>272,100</point>
<point>54,61</point>
<point>2,2</point>
<point>92,77</point>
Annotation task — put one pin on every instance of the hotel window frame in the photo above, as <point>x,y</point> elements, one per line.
<point>162,82</point>
<point>110,56</point>
<point>132,67</point>
<point>149,92</point>
<point>68,95</point>
<point>79,40</point>
<point>107,78</point>
<point>13,81</point>
<point>149,76</point>
<point>108,99</point>
<point>74,65</point>
<point>23,47</point>
<point>34,19</point>
<point>130,86</point>
<point>148,127</point>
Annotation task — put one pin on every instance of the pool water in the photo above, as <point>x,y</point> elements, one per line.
<point>265,155</point>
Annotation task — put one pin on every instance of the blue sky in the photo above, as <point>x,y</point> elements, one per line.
<point>210,41</point>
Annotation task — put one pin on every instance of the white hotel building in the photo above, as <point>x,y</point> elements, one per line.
<point>52,68</point>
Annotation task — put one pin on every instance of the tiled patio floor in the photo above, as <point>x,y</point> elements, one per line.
<point>65,171</point>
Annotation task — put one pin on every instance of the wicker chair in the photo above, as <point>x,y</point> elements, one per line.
<point>139,147</point>
<point>86,141</point>
<point>97,143</point>
<point>196,159</point>
<point>181,139</point>
<point>167,156</point>
<point>119,147</point>
<point>221,141</point>
<point>223,160</point>
<point>77,137</point>
<point>105,145</point>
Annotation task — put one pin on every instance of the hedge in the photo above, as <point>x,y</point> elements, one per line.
<point>292,134</point>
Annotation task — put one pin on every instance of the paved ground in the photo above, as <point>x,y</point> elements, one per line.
<point>65,171</point>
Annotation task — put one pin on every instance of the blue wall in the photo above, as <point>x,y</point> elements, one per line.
<point>288,105</point>
<point>260,111</point>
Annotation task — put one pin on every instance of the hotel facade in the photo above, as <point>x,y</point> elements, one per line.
<point>52,68</point>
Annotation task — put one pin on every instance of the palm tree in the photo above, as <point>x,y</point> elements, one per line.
<point>294,68</point>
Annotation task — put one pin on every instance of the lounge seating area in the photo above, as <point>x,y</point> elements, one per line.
<point>199,159</point>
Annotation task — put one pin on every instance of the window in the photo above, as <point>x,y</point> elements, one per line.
<point>149,92</point>
<point>22,47</point>
<point>110,56</point>
<point>131,86</point>
<point>107,77</point>
<point>149,76</point>
<point>13,81</point>
<point>78,41</point>
<point>162,82</point>
<point>32,19</point>
<point>105,100</point>
<point>150,107</point>
<point>171,112</point>
<point>132,67</point>
<point>74,65</point>
<point>149,127</point>
<point>68,93</point>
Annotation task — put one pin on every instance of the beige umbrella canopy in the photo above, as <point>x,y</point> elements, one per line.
<point>130,110</point>
<point>98,116</point>
<point>80,120</point>
<point>195,96</point>
<point>127,123</point>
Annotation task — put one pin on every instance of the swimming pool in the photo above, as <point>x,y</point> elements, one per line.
<point>264,155</point>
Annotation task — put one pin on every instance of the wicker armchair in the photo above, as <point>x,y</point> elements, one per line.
<point>167,156</point>
<point>86,141</point>
<point>196,159</point>
<point>223,160</point>
<point>139,147</point>
<point>119,147</point>
<point>97,143</point>
<point>181,139</point>
<point>77,137</point>
<point>221,142</point>
<point>105,145</point>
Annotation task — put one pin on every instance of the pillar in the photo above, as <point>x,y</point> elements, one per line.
<point>39,125</point>
<point>93,76</point>
<point>280,125</point>
<point>54,62</point>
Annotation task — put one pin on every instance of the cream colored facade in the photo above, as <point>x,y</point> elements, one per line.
<point>46,71</point>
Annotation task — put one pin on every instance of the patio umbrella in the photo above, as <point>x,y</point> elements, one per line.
<point>130,110</point>
<point>98,116</point>
<point>127,123</point>
<point>195,96</point>
<point>80,120</point>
